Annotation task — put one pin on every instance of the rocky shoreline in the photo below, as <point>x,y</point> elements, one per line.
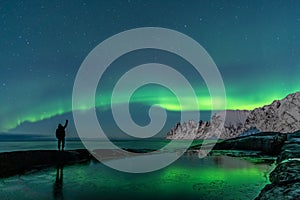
<point>285,178</point>
<point>20,162</point>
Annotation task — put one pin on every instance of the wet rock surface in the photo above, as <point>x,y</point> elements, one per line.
<point>287,191</point>
<point>285,178</point>
<point>19,162</point>
<point>285,172</point>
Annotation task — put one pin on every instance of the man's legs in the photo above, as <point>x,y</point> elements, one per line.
<point>63,143</point>
<point>58,144</point>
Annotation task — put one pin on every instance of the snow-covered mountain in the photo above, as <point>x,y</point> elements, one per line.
<point>280,116</point>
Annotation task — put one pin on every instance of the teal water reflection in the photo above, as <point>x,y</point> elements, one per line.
<point>217,177</point>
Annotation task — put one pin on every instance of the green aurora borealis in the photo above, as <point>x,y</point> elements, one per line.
<point>166,100</point>
<point>255,44</point>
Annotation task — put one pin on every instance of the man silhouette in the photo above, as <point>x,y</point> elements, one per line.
<point>60,135</point>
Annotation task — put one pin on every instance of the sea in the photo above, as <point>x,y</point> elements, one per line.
<point>189,177</point>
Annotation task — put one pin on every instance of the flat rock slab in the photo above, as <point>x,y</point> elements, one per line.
<point>19,162</point>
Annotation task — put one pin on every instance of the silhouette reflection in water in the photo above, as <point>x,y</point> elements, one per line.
<point>58,184</point>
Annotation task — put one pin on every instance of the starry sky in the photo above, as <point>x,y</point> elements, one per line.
<point>255,44</point>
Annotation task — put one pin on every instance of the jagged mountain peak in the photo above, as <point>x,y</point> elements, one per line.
<point>279,116</point>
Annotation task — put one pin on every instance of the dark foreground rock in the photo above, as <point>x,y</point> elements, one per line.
<point>19,162</point>
<point>266,143</point>
<point>285,178</point>
<point>139,150</point>
<point>290,149</point>
<point>283,192</point>
<point>286,172</point>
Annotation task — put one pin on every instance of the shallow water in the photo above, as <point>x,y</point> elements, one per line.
<point>189,177</point>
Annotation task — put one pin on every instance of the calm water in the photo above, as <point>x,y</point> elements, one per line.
<point>52,145</point>
<point>189,177</point>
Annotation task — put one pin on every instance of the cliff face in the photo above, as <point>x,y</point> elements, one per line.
<point>281,116</point>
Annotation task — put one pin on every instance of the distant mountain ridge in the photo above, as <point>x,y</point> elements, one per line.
<point>280,116</point>
<point>20,137</point>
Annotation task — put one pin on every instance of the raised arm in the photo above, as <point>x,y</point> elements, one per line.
<point>66,124</point>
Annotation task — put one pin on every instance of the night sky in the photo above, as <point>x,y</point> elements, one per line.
<point>255,44</point>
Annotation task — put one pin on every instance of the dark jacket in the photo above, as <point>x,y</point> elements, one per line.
<point>60,131</point>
